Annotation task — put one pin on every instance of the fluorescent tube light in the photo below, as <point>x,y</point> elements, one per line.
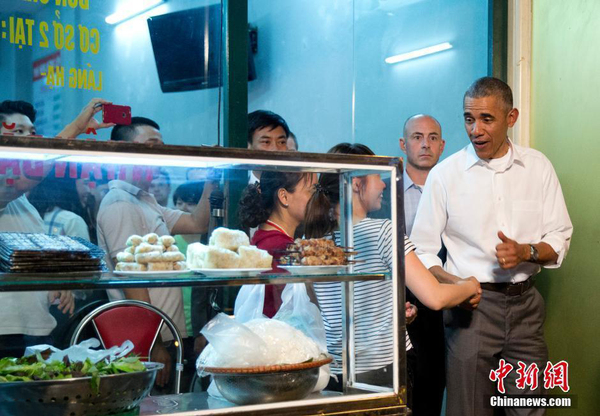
<point>131,9</point>
<point>28,156</point>
<point>418,53</point>
<point>141,161</point>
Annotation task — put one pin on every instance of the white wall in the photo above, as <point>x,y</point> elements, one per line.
<point>313,52</point>
<point>388,94</point>
<point>305,67</point>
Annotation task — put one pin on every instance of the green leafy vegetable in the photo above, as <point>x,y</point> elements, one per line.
<point>34,368</point>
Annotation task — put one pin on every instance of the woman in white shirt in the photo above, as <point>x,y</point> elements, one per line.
<point>59,204</point>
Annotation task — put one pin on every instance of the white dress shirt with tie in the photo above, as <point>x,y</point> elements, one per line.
<point>467,200</point>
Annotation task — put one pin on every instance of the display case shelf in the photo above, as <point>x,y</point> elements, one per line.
<point>12,282</point>
<point>202,404</point>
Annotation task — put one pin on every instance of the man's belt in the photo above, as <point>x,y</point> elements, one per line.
<point>510,289</point>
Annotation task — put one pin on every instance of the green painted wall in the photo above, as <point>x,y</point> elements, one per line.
<point>566,128</point>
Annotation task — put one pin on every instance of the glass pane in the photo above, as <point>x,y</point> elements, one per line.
<point>388,93</point>
<point>322,67</point>
<point>130,204</point>
<point>161,59</point>
<point>304,68</point>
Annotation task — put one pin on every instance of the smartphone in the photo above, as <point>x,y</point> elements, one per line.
<point>117,114</point>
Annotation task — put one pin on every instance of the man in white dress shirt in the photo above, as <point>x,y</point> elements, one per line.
<point>499,210</point>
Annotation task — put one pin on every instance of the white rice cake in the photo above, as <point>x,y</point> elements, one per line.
<point>221,258</point>
<point>180,265</point>
<point>195,255</point>
<point>130,267</point>
<point>167,240</point>
<point>200,256</point>
<point>255,258</point>
<point>148,248</point>
<point>228,239</point>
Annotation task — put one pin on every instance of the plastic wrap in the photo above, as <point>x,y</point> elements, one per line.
<point>295,334</point>
<point>82,351</point>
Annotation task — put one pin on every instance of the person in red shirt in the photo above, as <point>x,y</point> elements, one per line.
<point>275,205</point>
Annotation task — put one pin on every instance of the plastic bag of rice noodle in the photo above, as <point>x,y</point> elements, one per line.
<point>260,342</point>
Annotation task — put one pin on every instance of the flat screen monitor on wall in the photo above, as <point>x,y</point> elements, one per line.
<point>186,47</point>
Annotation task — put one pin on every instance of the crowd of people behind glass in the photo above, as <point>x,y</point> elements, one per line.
<point>60,198</point>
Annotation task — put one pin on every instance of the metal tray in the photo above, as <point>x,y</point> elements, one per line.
<point>267,384</point>
<point>74,397</point>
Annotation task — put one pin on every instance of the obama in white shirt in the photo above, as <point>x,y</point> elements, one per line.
<point>499,210</point>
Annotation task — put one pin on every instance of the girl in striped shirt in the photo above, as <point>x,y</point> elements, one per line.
<point>373,302</point>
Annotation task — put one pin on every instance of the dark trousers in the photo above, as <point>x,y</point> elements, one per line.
<point>508,327</point>
<point>427,336</point>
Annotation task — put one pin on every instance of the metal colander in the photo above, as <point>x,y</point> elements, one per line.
<point>74,397</point>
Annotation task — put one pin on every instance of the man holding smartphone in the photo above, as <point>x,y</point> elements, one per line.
<point>18,117</point>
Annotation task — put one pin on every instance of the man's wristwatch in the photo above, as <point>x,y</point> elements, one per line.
<point>533,254</point>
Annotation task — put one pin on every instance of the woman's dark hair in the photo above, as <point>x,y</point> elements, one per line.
<point>189,192</point>
<point>55,192</point>
<point>62,193</point>
<point>259,200</point>
<point>351,149</point>
<point>320,219</point>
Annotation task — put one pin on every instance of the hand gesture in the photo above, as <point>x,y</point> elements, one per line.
<point>411,313</point>
<point>510,253</point>
<point>66,301</point>
<point>471,303</point>
<point>85,120</point>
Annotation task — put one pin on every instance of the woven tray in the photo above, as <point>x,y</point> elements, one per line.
<point>268,369</point>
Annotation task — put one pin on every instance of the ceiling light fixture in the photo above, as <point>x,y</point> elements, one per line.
<point>129,11</point>
<point>418,53</point>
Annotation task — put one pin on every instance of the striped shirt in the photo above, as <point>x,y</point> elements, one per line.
<point>373,301</point>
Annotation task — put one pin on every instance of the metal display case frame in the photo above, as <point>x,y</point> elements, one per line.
<point>357,398</point>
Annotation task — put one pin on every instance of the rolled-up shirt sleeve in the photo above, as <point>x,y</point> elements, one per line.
<point>557,226</point>
<point>430,221</point>
<point>171,216</point>
<point>116,223</point>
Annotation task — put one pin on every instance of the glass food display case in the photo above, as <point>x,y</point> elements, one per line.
<point>94,171</point>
